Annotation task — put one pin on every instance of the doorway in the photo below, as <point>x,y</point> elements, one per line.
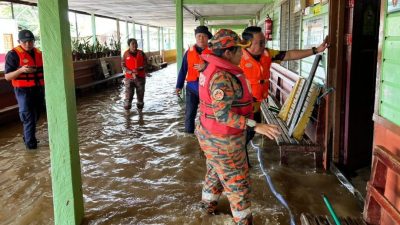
<point>360,60</point>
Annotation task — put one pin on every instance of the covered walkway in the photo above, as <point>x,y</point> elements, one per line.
<point>145,170</point>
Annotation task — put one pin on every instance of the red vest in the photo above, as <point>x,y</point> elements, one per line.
<point>242,106</point>
<point>134,62</point>
<point>194,58</point>
<point>258,73</point>
<point>31,79</point>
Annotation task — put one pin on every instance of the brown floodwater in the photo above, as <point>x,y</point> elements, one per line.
<point>143,169</point>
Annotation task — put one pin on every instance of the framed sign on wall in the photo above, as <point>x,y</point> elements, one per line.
<point>393,6</point>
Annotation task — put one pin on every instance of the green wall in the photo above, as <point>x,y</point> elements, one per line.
<point>389,106</point>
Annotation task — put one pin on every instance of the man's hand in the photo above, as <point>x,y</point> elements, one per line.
<point>324,45</point>
<point>27,69</point>
<point>200,67</point>
<point>269,130</point>
<point>178,91</point>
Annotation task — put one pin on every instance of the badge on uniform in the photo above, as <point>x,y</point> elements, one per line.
<point>218,94</point>
<point>25,60</point>
<point>202,79</point>
<point>249,65</point>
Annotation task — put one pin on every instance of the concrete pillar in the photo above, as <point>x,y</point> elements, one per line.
<point>93,17</point>
<point>148,38</point>
<point>61,112</point>
<point>179,32</point>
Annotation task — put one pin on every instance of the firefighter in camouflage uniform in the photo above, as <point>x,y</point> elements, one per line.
<point>225,116</point>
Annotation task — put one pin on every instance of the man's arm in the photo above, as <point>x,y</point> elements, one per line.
<point>11,70</point>
<point>299,54</point>
<point>182,74</point>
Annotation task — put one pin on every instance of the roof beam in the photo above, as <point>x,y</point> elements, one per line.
<point>211,2</point>
<point>228,26</point>
<point>243,17</point>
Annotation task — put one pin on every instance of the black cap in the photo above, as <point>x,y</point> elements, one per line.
<point>204,30</point>
<point>25,35</point>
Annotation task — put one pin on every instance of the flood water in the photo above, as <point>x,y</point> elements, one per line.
<point>146,170</point>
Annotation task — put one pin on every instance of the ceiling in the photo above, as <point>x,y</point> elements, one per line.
<point>161,13</point>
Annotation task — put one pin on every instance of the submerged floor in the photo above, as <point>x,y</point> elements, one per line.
<point>145,170</point>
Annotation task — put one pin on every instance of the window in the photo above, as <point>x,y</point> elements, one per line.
<point>106,30</point>
<point>5,10</point>
<point>124,32</point>
<point>27,17</point>
<point>84,26</point>
<point>73,25</point>
<point>153,39</point>
<point>140,30</point>
<point>290,32</point>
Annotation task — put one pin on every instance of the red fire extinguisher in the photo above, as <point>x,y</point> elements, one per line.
<point>268,28</point>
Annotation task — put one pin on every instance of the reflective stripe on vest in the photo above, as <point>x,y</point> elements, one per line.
<point>133,62</point>
<point>258,73</point>
<point>29,79</point>
<point>242,106</point>
<point>193,57</point>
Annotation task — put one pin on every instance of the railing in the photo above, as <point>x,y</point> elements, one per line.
<point>376,202</point>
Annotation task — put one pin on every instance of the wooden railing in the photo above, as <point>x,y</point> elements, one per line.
<point>376,203</point>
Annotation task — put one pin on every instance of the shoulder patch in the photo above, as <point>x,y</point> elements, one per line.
<point>249,65</point>
<point>202,79</point>
<point>218,94</point>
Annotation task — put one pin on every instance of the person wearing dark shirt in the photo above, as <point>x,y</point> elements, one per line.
<point>24,68</point>
<point>192,65</point>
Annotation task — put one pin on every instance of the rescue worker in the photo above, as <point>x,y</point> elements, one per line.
<point>225,115</point>
<point>256,63</point>
<point>24,68</point>
<point>134,63</point>
<point>191,67</point>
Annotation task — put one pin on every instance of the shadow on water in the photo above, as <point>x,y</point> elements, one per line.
<point>141,168</point>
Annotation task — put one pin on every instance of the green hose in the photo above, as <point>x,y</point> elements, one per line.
<point>331,211</point>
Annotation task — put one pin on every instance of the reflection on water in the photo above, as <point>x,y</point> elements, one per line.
<point>141,168</point>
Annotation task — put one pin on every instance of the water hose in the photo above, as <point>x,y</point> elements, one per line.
<point>271,185</point>
<point>331,211</point>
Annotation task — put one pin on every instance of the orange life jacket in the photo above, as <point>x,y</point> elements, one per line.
<point>133,62</point>
<point>242,106</point>
<point>29,79</point>
<point>193,57</point>
<point>258,73</point>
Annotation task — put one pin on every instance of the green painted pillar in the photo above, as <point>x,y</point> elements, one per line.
<point>162,39</point>
<point>179,32</point>
<point>93,17</point>
<point>61,112</point>
<point>148,38</point>
<point>133,29</point>
<point>126,30</point>
<point>118,30</point>
<point>169,38</point>
<point>159,38</point>
<point>202,21</point>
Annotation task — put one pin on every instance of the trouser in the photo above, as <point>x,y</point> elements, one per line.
<point>31,103</point>
<point>228,171</point>
<point>131,85</point>
<point>192,103</point>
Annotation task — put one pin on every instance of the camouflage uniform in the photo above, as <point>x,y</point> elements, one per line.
<point>227,168</point>
<point>130,85</point>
